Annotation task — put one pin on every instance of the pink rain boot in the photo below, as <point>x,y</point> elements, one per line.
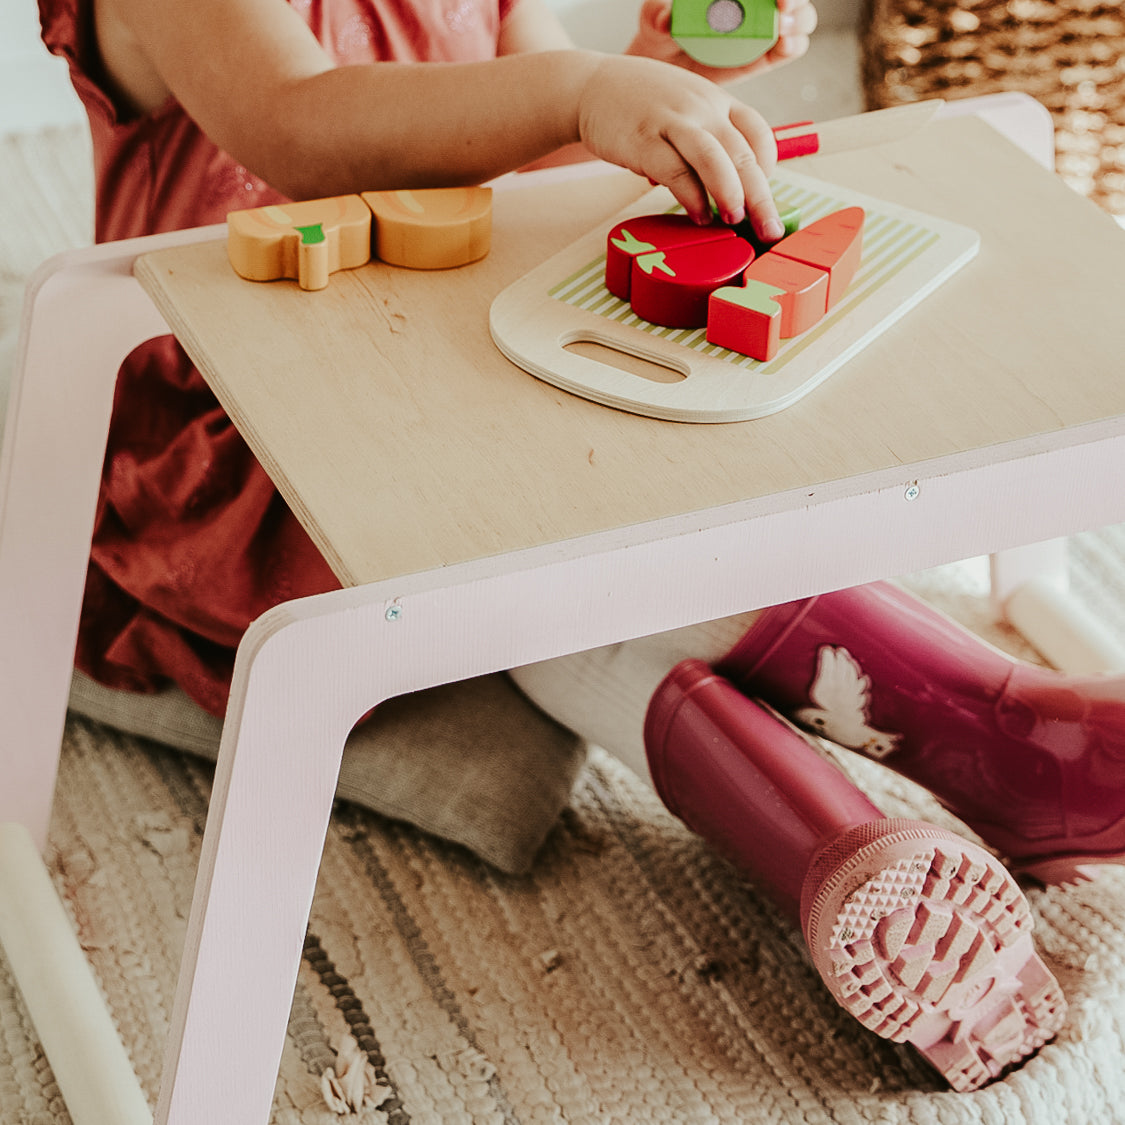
<point>1032,759</point>
<point>922,936</point>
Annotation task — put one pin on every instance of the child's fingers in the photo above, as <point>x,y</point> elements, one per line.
<point>732,162</point>
<point>797,15</point>
<point>798,20</point>
<point>685,133</point>
<point>757,202</point>
<point>668,167</point>
<point>755,165</point>
<point>716,168</point>
<point>696,161</point>
<point>723,165</point>
<point>757,133</point>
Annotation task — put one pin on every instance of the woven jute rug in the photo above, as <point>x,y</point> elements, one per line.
<point>1068,54</point>
<point>630,977</point>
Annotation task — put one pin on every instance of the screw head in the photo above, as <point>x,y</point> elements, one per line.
<point>394,612</point>
<point>913,492</point>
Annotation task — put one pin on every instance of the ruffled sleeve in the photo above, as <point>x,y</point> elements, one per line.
<point>58,20</point>
<point>67,28</point>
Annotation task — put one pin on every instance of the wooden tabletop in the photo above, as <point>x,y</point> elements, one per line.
<point>405,441</point>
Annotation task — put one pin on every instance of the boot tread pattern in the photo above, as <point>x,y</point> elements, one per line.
<point>934,948</point>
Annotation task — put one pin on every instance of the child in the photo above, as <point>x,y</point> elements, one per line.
<point>199,109</point>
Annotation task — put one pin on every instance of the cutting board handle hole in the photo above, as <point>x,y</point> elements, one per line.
<point>631,362</point>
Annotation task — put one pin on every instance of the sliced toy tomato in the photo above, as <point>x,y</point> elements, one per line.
<point>666,266</point>
<point>644,240</point>
<point>674,294</point>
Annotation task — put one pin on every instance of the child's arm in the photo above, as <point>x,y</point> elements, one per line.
<point>255,79</point>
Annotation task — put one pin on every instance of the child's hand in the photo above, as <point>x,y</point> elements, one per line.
<point>797,21</point>
<point>683,131</point>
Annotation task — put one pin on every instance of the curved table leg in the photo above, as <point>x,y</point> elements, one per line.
<point>305,673</point>
<point>82,315</point>
<point>308,669</point>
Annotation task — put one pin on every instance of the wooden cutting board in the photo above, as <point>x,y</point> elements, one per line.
<point>560,323</point>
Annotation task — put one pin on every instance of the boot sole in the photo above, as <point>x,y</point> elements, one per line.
<point>925,938</point>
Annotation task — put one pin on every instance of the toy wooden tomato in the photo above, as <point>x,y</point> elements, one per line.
<point>666,266</point>
<point>643,242</point>
<point>431,228</point>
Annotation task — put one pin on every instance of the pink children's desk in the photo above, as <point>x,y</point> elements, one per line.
<point>480,519</point>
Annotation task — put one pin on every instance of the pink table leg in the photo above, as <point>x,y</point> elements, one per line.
<point>307,669</point>
<point>82,315</point>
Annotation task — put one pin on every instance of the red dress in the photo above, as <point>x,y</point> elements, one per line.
<point>192,541</point>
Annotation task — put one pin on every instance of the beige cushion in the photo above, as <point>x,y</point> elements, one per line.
<point>472,762</point>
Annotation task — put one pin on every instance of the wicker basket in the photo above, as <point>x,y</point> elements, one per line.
<point>1068,54</point>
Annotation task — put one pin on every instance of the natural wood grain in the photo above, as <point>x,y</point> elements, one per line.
<point>405,441</point>
<point>863,130</point>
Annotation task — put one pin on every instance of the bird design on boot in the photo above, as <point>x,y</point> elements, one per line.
<point>1032,759</point>
<point>841,694</point>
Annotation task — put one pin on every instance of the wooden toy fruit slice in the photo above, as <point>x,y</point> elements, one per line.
<point>642,243</point>
<point>433,228</point>
<point>306,241</point>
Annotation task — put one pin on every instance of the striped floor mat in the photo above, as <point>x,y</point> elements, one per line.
<point>631,977</point>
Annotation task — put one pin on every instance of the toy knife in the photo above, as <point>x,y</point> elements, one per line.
<point>859,131</point>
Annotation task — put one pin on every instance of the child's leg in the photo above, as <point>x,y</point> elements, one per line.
<point>1032,759</point>
<point>192,540</point>
<point>602,695</point>
<point>921,935</point>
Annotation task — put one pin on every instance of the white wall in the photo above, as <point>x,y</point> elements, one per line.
<point>20,21</point>
<point>34,89</point>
